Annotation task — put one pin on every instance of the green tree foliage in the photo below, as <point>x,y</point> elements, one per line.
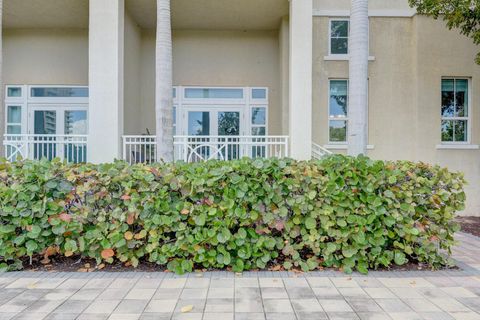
<point>459,14</point>
<point>342,212</point>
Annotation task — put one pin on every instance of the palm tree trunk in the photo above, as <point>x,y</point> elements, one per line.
<point>163,83</point>
<point>3,110</point>
<point>358,78</point>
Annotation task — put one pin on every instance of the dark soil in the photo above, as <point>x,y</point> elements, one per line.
<point>470,225</point>
<point>76,264</point>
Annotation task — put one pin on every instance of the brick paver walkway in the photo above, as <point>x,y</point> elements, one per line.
<point>251,295</point>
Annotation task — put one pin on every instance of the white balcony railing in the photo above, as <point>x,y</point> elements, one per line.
<point>72,148</point>
<point>201,148</point>
<point>319,152</point>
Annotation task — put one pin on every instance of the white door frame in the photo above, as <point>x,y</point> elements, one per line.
<point>213,110</point>
<point>60,109</point>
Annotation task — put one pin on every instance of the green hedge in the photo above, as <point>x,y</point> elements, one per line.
<point>348,213</point>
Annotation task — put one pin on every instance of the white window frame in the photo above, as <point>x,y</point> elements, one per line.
<point>340,56</point>
<point>468,118</point>
<point>214,101</point>
<point>16,101</point>
<point>330,38</point>
<point>49,100</point>
<point>183,105</point>
<point>28,103</point>
<point>333,118</point>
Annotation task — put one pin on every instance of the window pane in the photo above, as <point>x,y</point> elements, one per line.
<point>14,92</point>
<point>258,131</point>
<point>448,98</point>
<point>447,130</point>
<point>14,114</point>
<point>258,116</point>
<point>461,96</point>
<point>203,93</point>
<point>76,122</point>
<point>174,93</point>
<point>460,130</point>
<point>339,29</point>
<point>259,94</point>
<point>338,131</point>
<point>60,92</point>
<point>338,98</point>
<point>339,46</point>
<point>198,123</point>
<point>14,129</point>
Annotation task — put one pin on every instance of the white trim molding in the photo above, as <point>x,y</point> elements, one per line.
<point>343,146</point>
<point>342,57</point>
<point>394,13</point>
<point>457,146</point>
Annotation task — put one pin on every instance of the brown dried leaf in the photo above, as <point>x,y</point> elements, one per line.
<point>131,218</point>
<point>107,253</point>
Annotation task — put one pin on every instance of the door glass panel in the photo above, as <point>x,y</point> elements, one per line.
<point>45,123</point>
<point>76,122</point>
<point>229,123</point>
<point>198,123</point>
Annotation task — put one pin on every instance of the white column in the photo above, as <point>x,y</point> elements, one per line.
<point>358,79</point>
<point>300,79</point>
<point>106,32</point>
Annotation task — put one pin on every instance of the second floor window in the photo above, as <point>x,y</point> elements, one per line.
<point>339,36</point>
<point>455,110</point>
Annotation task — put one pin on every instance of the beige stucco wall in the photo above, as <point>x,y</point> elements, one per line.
<point>216,58</point>
<point>411,57</point>
<point>132,76</point>
<point>45,56</point>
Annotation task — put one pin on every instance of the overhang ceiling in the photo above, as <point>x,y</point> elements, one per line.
<point>214,14</point>
<point>186,14</point>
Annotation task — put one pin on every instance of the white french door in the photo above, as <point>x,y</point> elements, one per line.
<point>59,120</point>
<point>214,131</point>
<point>54,128</point>
<point>213,121</point>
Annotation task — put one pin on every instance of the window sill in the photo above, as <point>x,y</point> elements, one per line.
<point>342,57</point>
<point>344,147</point>
<point>458,147</point>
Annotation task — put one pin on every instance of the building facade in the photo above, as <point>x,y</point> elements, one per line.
<point>251,78</point>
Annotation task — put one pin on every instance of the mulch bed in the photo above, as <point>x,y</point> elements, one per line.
<point>76,264</point>
<point>470,225</point>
